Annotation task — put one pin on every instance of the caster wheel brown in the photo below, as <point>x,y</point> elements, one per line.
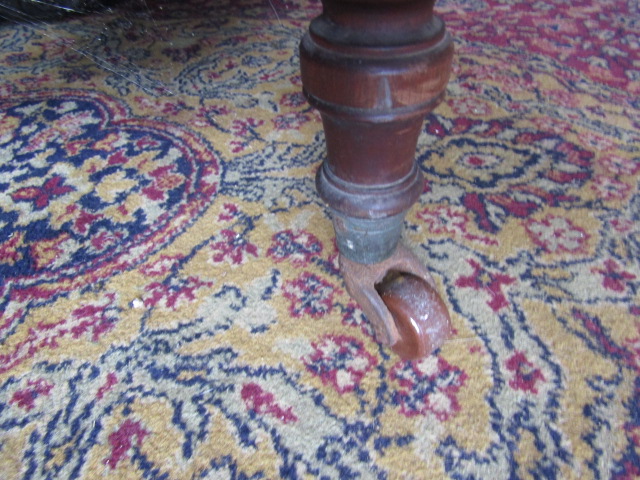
<point>420,315</point>
<point>399,298</point>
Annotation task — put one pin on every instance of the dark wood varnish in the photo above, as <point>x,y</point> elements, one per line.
<point>374,69</point>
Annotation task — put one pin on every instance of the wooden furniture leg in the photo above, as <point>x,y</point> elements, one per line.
<point>374,69</point>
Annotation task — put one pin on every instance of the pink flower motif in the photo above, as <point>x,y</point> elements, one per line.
<point>427,386</point>
<point>450,221</point>
<point>121,441</point>
<point>230,211</point>
<point>492,283</point>
<point>550,124</point>
<point>525,374</point>
<point>204,115</point>
<point>309,294</point>
<point>340,361</point>
<point>172,295</point>
<point>41,196</point>
<point>621,166</point>
<point>264,403</point>
<point>163,182</point>
<point>516,83</point>
<point>232,247</point>
<point>96,318</point>
<point>26,398</point>
<point>469,106</point>
<point>609,188</point>
<point>557,234</point>
<point>168,108</point>
<point>244,127</point>
<point>562,98</point>
<point>596,142</point>
<point>614,278</point>
<point>297,247</point>
<point>162,266</point>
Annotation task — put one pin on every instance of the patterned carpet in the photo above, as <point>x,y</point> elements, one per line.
<point>170,305</point>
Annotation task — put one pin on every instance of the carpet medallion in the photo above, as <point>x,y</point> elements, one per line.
<point>126,188</point>
<point>170,300</point>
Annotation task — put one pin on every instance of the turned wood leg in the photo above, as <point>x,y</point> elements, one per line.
<point>374,69</point>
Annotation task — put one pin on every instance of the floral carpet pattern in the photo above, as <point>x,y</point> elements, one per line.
<point>170,303</point>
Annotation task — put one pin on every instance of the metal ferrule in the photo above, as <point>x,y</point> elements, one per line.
<point>365,240</point>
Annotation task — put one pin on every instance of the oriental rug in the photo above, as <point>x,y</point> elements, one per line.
<point>170,302</point>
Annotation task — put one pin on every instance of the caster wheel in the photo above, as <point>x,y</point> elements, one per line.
<point>420,315</point>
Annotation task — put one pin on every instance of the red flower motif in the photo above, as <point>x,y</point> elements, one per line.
<point>98,318</point>
<point>172,295</point>
<point>609,188</point>
<point>41,196</point>
<point>233,246</point>
<point>297,247</point>
<point>549,124</point>
<point>340,361</point>
<point>428,385</point>
<point>492,283</point>
<point>161,266</point>
<point>557,234</point>
<point>309,294</point>
<point>467,106</point>
<point>525,374</point>
<point>230,212</point>
<point>621,166</point>
<point>163,181</point>
<point>245,128</point>
<point>597,142</point>
<point>614,278</point>
<point>447,220</point>
<point>562,98</point>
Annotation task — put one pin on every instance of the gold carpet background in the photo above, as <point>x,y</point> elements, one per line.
<point>170,304</point>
